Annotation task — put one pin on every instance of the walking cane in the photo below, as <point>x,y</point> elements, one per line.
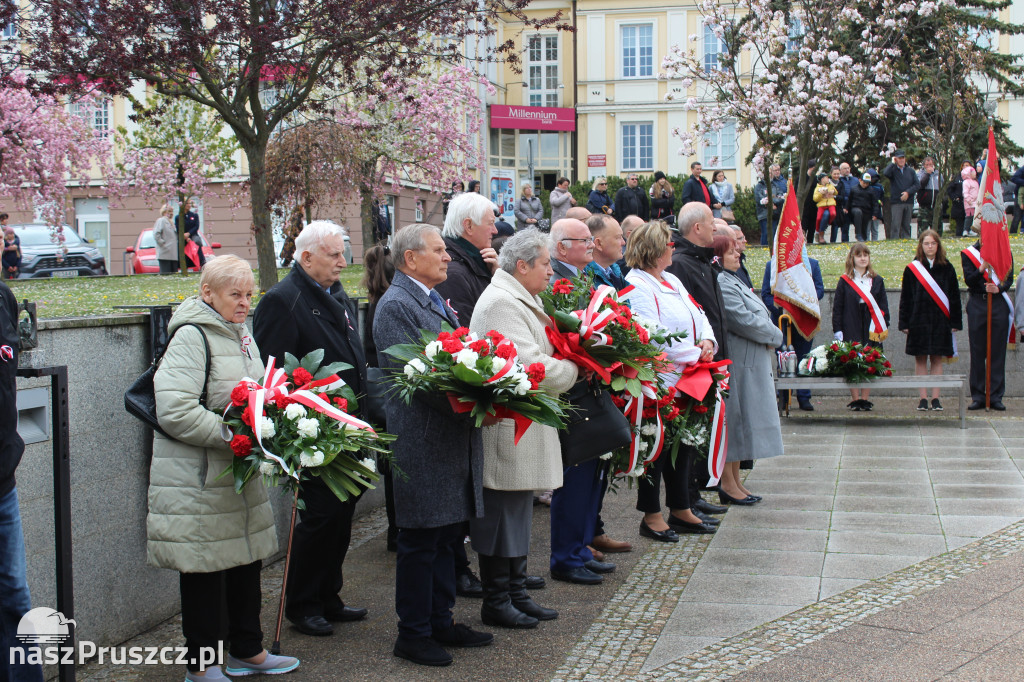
<point>788,331</point>
<point>276,647</point>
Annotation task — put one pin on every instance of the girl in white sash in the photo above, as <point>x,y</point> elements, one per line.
<point>930,310</point>
<point>860,311</point>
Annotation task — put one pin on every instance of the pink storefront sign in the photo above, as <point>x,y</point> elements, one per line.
<point>533,118</point>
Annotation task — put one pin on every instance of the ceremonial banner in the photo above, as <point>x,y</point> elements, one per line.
<point>995,240</point>
<point>791,280</point>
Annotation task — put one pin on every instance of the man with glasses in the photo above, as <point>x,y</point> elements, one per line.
<point>631,200</point>
<point>572,248</point>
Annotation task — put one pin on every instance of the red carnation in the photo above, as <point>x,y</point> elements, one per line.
<point>886,364</point>
<point>301,377</point>
<point>461,333</point>
<point>240,394</point>
<point>506,351</point>
<point>871,370</point>
<point>444,336</point>
<point>341,403</point>
<point>888,372</point>
<point>495,337</point>
<point>451,346</point>
<point>562,286</point>
<point>480,347</point>
<point>700,409</point>
<point>835,346</point>
<point>672,414</point>
<point>649,412</point>
<point>852,355</point>
<point>247,417</point>
<point>619,402</point>
<point>241,445</point>
<point>844,358</point>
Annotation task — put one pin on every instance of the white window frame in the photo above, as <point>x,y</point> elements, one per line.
<point>96,117</point>
<point>710,40</point>
<point>713,147</point>
<point>637,69</point>
<point>634,163</point>
<point>796,34</point>
<point>418,211</point>
<point>547,95</point>
<point>10,31</point>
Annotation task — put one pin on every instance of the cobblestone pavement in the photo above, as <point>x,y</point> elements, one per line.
<point>799,578</point>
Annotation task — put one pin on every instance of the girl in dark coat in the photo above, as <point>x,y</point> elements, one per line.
<point>929,330</point>
<point>851,318</point>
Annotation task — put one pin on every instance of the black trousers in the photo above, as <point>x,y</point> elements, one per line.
<point>677,482</point>
<point>425,579</point>
<point>861,218</point>
<point>209,601</point>
<point>599,523</point>
<point>977,313</point>
<point>1018,215</point>
<point>318,551</point>
<point>168,266</point>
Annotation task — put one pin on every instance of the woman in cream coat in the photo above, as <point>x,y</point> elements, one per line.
<point>513,472</point>
<point>197,524</point>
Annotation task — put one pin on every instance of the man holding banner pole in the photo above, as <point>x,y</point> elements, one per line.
<point>988,273</point>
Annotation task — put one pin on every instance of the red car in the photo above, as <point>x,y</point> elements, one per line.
<point>144,253</point>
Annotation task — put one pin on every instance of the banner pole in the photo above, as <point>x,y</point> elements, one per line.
<point>988,353</point>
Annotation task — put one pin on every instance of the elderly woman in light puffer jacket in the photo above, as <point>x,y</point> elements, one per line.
<point>197,524</point>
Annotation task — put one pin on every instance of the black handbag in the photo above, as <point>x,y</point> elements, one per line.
<point>596,425</point>
<point>140,399</point>
<point>376,388</point>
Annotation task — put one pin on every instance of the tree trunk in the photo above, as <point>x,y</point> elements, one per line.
<point>261,228</point>
<point>182,258</point>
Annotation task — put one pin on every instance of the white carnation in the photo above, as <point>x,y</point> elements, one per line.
<point>432,349</point>
<point>267,429</point>
<point>294,411</point>
<point>467,357</point>
<point>523,387</point>
<point>306,459</point>
<point>308,428</point>
<point>415,366</point>
<point>606,456</point>
<point>649,429</point>
<point>370,463</point>
<point>497,364</point>
<point>318,458</point>
<point>268,468</point>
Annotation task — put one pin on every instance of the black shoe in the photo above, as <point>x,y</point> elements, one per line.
<point>581,575</point>
<point>755,498</point>
<point>422,650</point>
<point>535,582</point>
<point>923,405</point>
<point>998,406</point>
<point>724,498</point>
<point>709,508</point>
<point>314,626</point>
<point>854,405</point>
<point>345,614</point>
<point>704,518</point>
<point>600,566</point>
<point>936,405</point>
<point>976,405</point>
<point>681,526</point>
<point>659,535</point>
<point>468,585</point>
<point>747,464</point>
<point>462,636</point>
<point>806,406</point>
<point>867,405</point>
<point>518,594</point>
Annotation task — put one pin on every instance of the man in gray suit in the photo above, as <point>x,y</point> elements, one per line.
<point>440,454</point>
<point>572,248</point>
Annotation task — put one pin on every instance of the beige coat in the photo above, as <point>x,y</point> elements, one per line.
<point>197,523</point>
<point>536,463</point>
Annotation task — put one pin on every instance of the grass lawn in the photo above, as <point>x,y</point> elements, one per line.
<point>98,295</point>
<point>80,296</point>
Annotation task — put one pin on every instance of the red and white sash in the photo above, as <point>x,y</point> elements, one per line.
<point>975,257</point>
<point>878,330</point>
<point>934,290</point>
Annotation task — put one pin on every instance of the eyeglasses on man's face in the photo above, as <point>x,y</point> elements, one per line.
<point>588,240</point>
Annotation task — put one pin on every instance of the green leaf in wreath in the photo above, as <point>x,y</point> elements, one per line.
<point>618,382</point>
<point>312,361</point>
<point>290,362</point>
<point>467,375</point>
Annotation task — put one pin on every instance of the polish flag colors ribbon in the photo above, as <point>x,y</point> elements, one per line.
<point>695,382</point>
<point>634,411</point>
<point>926,280</point>
<point>522,423</point>
<point>275,385</point>
<point>975,257</point>
<point>878,330</point>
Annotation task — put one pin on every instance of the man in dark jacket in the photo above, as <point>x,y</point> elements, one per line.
<point>978,287</point>
<point>306,311</point>
<point>14,595</point>
<point>903,185</point>
<point>930,181</point>
<point>862,203</point>
<point>192,229</point>
<point>691,263</point>
<point>440,454</point>
<point>468,229</point>
<point>696,188</point>
<point>631,200</point>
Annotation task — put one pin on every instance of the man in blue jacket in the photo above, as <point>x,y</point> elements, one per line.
<point>801,345</point>
<point>903,185</point>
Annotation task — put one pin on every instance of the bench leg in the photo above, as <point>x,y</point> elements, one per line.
<point>963,405</point>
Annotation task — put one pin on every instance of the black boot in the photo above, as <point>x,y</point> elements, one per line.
<point>520,597</point>
<point>497,608</point>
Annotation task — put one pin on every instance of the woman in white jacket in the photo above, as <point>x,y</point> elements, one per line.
<point>660,297</point>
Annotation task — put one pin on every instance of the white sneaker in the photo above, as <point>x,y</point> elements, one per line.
<point>212,673</point>
<point>272,665</point>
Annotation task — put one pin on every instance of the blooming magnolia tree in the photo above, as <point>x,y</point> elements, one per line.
<point>42,147</point>
<point>258,63</point>
<point>794,74</point>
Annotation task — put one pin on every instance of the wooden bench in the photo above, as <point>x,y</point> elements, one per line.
<point>957,381</point>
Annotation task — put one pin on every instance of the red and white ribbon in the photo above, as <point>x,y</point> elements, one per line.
<point>719,434</point>
<point>634,410</point>
<point>878,329</point>
<point>594,321</point>
<point>6,353</point>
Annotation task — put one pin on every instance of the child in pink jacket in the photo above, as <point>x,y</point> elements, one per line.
<point>971,188</point>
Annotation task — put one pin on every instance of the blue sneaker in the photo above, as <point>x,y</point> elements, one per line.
<point>272,665</point>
